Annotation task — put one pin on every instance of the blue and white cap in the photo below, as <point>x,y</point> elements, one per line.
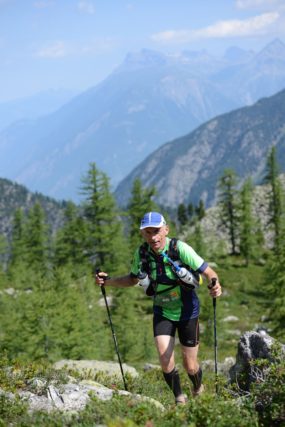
<point>152,219</point>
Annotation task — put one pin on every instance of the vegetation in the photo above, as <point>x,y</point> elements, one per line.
<point>262,407</point>
<point>51,310</point>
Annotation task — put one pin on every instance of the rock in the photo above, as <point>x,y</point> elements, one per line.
<point>102,303</point>
<point>54,396</point>
<point>252,345</point>
<point>73,397</point>
<point>10,291</point>
<point>92,367</point>
<point>223,367</point>
<point>150,366</point>
<point>236,332</point>
<point>230,319</point>
<point>35,402</point>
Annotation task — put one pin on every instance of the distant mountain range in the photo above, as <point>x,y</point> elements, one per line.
<point>150,99</point>
<point>33,107</point>
<point>187,169</point>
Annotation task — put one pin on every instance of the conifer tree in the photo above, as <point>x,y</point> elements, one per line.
<point>36,239</point>
<point>190,210</point>
<point>182,214</point>
<point>71,240</point>
<point>200,210</point>
<point>141,201</point>
<point>274,286</point>
<point>18,238</point>
<point>276,204</point>
<point>106,243</point>
<point>3,253</point>
<point>229,209</point>
<point>247,229</point>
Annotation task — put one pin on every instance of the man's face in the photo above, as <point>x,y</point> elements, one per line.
<point>155,237</point>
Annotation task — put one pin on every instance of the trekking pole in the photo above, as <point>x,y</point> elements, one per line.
<point>103,290</point>
<point>210,286</point>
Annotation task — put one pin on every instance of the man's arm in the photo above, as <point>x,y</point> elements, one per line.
<point>117,282</point>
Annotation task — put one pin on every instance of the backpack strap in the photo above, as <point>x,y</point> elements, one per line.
<point>145,258</point>
<point>173,252</point>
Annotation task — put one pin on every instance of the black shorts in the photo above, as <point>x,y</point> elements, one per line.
<point>188,330</point>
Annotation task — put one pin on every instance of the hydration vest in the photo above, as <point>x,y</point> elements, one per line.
<point>146,257</point>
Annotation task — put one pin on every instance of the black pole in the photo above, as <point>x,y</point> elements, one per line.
<point>103,290</point>
<point>215,345</point>
<point>211,285</point>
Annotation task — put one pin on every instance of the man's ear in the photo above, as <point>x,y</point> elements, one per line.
<point>166,230</point>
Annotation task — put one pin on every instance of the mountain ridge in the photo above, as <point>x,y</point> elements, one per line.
<point>187,169</point>
<point>125,118</point>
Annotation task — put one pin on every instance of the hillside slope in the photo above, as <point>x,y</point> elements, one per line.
<point>187,169</point>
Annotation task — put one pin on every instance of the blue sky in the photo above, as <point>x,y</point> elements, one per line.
<point>75,44</point>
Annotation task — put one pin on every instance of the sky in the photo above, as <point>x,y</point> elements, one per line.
<point>75,44</point>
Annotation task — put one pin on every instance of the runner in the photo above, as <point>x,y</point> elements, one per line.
<point>175,303</point>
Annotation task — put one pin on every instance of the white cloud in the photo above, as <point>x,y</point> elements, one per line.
<point>57,49</point>
<point>86,7</point>
<point>248,4</point>
<point>221,29</point>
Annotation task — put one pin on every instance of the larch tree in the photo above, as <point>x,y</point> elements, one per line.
<point>182,214</point>
<point>141,202</point>
<point>37,244</point>
<point>71,240</point>
<point>276,198</point>
<point>106,243</point>
<point>247,222</point>
<point>228,202</point>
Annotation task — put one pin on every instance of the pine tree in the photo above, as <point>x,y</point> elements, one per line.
<point>276,204</point>
<point>71,240</point>
<point>36,238</point>
<point>106,243</point>
<point>274,287</point>
<point>141,201</point>
<point>247,229</point>
<point>18,238</point>
<point>3,253</point>
<point>182,214</point>
<point>200,210</point>
<point>229,209</point>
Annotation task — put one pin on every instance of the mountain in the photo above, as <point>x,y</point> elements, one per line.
<point>188,168</point>
<point>149,99</point>
<point>15,196</point>
<point>32,107</point>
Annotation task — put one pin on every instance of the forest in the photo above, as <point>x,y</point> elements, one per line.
<point>50,308</point>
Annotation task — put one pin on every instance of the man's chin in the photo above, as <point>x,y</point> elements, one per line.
<point>155,246</point>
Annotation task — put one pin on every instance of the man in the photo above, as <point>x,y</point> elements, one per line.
<point>174,306</point>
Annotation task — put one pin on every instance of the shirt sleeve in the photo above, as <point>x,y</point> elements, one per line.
<point>188,256</point>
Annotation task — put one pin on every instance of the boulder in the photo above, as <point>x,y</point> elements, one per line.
<point>252,345</point>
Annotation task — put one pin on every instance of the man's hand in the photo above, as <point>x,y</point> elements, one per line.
<point>100,278</point>
<point>215,289</point>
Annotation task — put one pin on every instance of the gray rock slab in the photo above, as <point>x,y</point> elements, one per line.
<point>94,366</point>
